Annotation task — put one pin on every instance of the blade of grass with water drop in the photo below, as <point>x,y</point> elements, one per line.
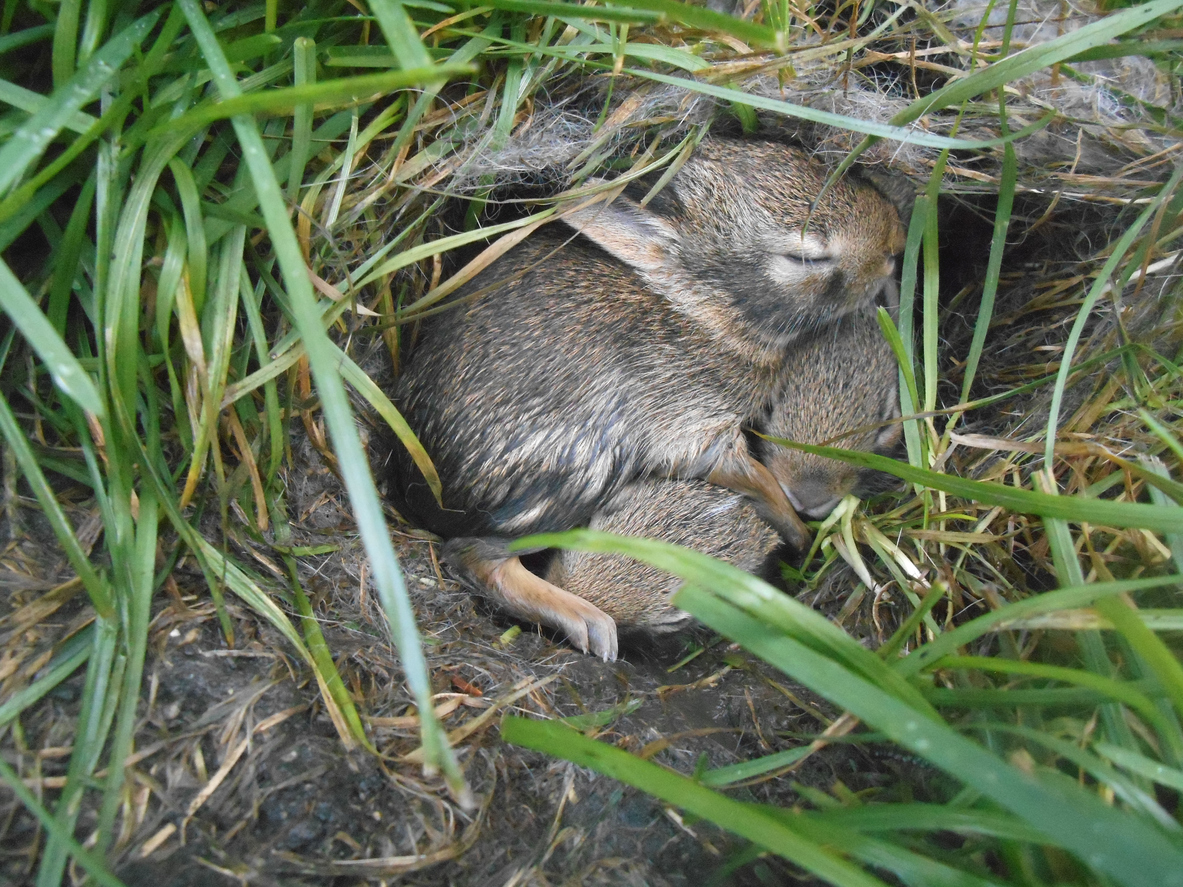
<point>335,406</point>
<point>31,139</point>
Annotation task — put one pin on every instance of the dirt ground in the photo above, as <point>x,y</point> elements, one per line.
<point>239,775</point>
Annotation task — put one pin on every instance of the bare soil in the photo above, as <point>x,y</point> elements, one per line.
<point>239,776</point>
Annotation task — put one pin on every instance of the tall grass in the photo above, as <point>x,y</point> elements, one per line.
<point>162,204</point>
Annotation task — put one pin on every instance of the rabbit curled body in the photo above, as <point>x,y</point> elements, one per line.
<point>636,345</point>
<point>840,385</point>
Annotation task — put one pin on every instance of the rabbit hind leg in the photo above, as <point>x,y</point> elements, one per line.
<point>486,566</point>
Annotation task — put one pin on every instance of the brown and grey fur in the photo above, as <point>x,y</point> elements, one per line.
<point>842,380</point>
<point>839,388</point>
<point>691,513</point>
<point>638,348</point>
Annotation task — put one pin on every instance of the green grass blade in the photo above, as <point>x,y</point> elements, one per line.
<point>926,817</point>
<point>251,305</point>
<point>710,20</point>
<point>34,103</point>
<point>1098,512</point>
<point>63,366</point>
<point>930,287</point>
<point>96,588</point>
<point>721,777</point>
<point>915,438</point>
<point>1161,662</point>
<point>1092,646</point>
<point>65,41</point>
<point>1135,792</point>
<point>24,37</point>
<point>1049,602</point>
<point>30,141</point>
<point>350,727</point>
<point>1154,467</point>
<point>1039,56</point>
<point>90,861</point>
<point>1099,286</point>
<point>63,665</point>
<point>138,610</point>
<point>304,65</point>
<point>355,376</point>
<point>197,249</point>
<point>742,819</point>
<point>910,867</point>
<point>68,258</point>
<point>829,118</point>
<point>103,673</point>
<point>903,355</point>
<point>752,594</point>
<point>426,250</point>
<point>335,405</point>
<point>1139,764</point>
<point>1021,64</point>
<point>1118,691</point>
<point>1111,841</point>
<point>327,94</point>
<point>1002,216</point>
<point>91,129</point>
<point>400,34</point>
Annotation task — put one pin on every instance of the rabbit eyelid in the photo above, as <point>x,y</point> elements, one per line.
<point>804,247</point>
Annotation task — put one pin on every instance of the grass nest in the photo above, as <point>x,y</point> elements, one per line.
<point>209,665</point>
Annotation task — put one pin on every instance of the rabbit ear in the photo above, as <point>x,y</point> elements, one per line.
<point>632,233</point>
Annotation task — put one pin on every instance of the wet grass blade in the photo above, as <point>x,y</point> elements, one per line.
<point>29,142</point>
<point>745,820</point>
<point>63,366</point>
<point>96,587</point>
<point>788,615</point>
<point>335,405</point>
<point>1056,810</point>
<point>1140,764</point>
<point>1131,853</point>
<point>90,862</point>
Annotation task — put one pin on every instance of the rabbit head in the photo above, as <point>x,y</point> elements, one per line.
<point>740,240</point>
<point>839,388</point>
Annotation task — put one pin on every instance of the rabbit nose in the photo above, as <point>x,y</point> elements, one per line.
<point>811,497</point>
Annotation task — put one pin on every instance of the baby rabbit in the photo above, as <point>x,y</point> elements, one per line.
<point>637,347</point>
<point>840,389</point>
<point>691,513</point>
<point>842,380</point>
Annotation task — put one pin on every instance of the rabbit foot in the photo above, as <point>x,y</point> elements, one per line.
<point>493,572</point>
<point>745,475</point>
